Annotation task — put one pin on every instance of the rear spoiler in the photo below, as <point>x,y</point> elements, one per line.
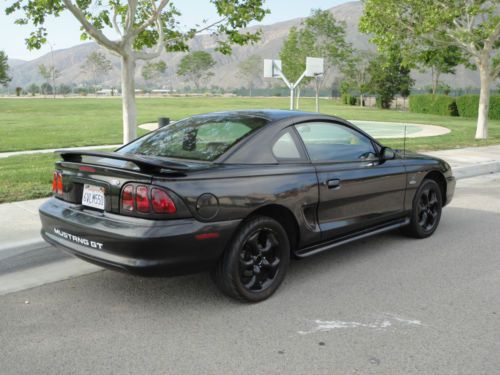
<point>145,164</point>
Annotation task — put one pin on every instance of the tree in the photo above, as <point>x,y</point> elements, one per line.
<point>329,38</point>
<point>151,71</point>
<point>389,77</point>
<point>320,35</point>
<point>46,88</point>
<point>4,69</point>
<point>440,61</point>
<point>196,67</point>
<point>356,71</point>
<point>50,74</point>
<point>473,26</point>
<point>144,28</point>
<point>33,89</point>
<point>96,65</point>
<point>64,89</point>
<point>250,70</point>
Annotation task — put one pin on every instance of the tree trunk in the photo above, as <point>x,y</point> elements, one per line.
<point>484,99</point>
<point>128,99</point>
<point>435,79</point>
<point>361,100</point>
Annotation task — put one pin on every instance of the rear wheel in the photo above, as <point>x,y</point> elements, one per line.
<point>255,263</point>
<point>426,212</point>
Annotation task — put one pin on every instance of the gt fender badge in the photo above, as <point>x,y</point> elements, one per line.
<point>115,182</point>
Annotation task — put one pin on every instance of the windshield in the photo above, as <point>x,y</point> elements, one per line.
<point>202,138</point>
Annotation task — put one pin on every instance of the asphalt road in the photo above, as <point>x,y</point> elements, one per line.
<point>386,305</point>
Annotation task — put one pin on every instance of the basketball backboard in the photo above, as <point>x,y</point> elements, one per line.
<point>314,66</point>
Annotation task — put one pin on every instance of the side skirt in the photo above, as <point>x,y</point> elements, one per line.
<point>311,250</point>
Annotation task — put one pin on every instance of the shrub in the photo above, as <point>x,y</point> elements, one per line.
<point>434,104</point>
<point>469,104</point>
<point>349,99</point>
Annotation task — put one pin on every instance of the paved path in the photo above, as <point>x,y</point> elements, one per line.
<point>385,305</point>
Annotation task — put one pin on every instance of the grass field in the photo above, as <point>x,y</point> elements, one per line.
<point>26,177</point>
<point>31,124</point>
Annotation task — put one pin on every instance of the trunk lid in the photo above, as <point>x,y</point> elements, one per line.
<point>109,172</point>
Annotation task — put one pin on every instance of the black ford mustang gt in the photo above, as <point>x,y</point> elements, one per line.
<point>239,193</point>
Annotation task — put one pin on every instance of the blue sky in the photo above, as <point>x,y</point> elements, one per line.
<point>64,31</point>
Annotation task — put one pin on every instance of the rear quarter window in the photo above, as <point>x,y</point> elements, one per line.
<point>202,138</point>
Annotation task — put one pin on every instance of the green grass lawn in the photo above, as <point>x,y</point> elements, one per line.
<point>26,177</point>
<point>31,124</point>
<point>27,124</point>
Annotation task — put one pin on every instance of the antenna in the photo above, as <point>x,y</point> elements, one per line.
<point>404,144</point>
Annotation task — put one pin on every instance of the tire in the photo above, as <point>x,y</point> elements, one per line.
<point>426,211</point>
<point>256,261</point>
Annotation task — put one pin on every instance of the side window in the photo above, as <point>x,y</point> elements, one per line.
<point>285,148</point>
<point>334,142</point>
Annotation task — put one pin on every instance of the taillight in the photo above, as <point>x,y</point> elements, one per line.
<point>54,182</point>
<point>162,203</point>
<point>146,199</point>
<point>142,199</point>
<point>57,184</point>
<point>128,198</point>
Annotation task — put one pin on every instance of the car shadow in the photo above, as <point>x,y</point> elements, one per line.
<point>199,292</point>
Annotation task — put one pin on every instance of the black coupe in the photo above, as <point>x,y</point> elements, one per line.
<point>239,193</point>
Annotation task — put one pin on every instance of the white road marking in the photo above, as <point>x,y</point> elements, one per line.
<point>379,324</point>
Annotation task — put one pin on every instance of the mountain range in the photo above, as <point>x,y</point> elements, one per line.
<point>69,61</point>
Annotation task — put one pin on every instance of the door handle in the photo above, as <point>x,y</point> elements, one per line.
<point>333,184</point>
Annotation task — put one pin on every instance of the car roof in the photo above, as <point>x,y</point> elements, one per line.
<point>271,115</point>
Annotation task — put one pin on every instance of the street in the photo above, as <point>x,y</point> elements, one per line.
<point>386,305</point>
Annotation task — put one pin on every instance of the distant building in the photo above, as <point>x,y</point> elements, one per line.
<point>107,92</point>
<point>163,91</point>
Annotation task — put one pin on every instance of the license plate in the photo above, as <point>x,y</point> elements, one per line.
<point>93,196</point>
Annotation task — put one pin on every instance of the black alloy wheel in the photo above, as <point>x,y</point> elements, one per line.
<point>426,213</point>
<point>256,262</point>
<point>259,260</point>
<point>428,209</point>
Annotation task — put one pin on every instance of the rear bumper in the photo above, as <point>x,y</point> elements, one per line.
<point>144,247</point>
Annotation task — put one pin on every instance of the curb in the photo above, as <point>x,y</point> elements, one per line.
<point>19,247</point>
<point>476,170</point>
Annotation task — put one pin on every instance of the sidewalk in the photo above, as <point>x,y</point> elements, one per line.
<point>471,161</point>
<point>20,225</point>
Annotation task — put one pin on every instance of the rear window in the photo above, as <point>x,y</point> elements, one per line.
<point>203,138</point>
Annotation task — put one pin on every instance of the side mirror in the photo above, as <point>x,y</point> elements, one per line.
<point>387,153</point>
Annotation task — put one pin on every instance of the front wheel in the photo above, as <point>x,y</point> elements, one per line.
<point>256,261</point>
<point>426,212</point>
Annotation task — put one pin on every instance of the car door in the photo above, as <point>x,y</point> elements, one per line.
<point>356,188</point>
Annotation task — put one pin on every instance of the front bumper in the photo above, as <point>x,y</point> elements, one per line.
<point>451,183</point>
<point>135,245</point>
